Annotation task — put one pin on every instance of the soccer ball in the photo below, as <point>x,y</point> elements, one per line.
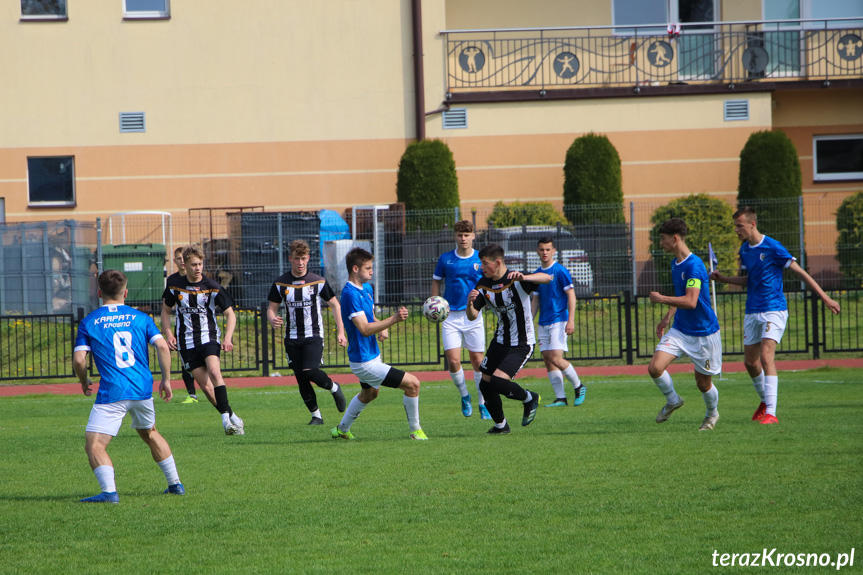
<point>436,309</point>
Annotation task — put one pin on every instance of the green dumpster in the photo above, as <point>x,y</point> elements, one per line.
<point>143,264</point>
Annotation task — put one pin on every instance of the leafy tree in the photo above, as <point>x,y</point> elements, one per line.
<point>526,213</point>
<point>592,184</point>
<point>849,244</point>
<point>427,181</point>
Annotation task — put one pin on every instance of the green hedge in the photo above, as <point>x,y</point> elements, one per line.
<point>592,176</point>
<point>525,213</point>
<point>709,220</point>
<point>427,181</point>
<point>849,244</point>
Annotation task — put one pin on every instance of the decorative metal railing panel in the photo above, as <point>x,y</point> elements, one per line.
<point>726,53</point>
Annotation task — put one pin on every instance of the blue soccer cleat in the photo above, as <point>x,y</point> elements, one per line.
<point>466,407</point>
<point>483,412</point>
<point>104,497</point>
<point>579,395</point>
<point>176,489</point>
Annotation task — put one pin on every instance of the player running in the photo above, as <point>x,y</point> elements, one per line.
<point>196,298</point>
<point>117,336</point>
<point>765,260</point>
<point>555,304</point>
<point>459,270</point>
<point>696,330</point>
<point>508,295</point>
<point>358,315</point>
<point>302,292</point>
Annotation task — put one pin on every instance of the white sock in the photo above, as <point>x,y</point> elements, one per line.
<point>105,477</point>
<point>666,386</point>
<point>335,387</point>
<point>477,379</point>
<point>711,400</point>
<point>412,410</point>
<point>169,469</point>
<point>528,398</point>
<point>355,408</point>
<point>501,425</point>
<point>458,380</point>
<point>758,383</point>
<point>771,390</point>
<point>317,413</point>
<point>556,379</point>
<point>572,377</point>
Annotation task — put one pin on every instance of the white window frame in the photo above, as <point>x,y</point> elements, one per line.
<point>52,204</point>
<point>844,176</point>
<point>147,14</point>
<point>806,12</point>
<point>45,16</point>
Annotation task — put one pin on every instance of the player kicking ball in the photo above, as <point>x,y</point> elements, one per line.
<point>555,304</point>
<point>696,330</point>
<point>508,295</point>
<point>117,336</point>
<point>364,356</point>
<point>765,260</point>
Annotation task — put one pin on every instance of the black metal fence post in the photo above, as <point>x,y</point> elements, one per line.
<point>265,341</point>
<point>627,310</point>
<point>816,339</point>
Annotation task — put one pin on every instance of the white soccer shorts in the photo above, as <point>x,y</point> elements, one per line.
<point>705,351</point>
<point>768,324</point>
<point>372,372</point>
<point>108,417</point>
<point>552,336</point>
<point>458,331</point>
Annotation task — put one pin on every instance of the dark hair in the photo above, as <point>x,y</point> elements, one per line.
<point>112,283</point>
<point>463,226</point>
<point>179,251</point>
<point>357,257</point>
<point>745,211</point>
<point>298,247</point>
<point>491,252</point>
<point>674,227</point>
<point>546,240</point>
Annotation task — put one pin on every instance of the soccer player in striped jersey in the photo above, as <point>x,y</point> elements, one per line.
<point>695,332</point>
<point>555,304</point>
<point>188,380</point>
<point>459,270</point>
<point>364,356</point>
<point>117,336</point>
<point>765,260</point>
<point>508,295</point>
<point>302,292</point>
<point>196,298</point>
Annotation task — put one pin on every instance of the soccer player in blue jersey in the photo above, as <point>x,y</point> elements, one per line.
<point>364,356</point>
<point>695,332</point>
<point>460,270</point>
<point>555,304</point>
<point>764,260</point>
<point>117,336</point>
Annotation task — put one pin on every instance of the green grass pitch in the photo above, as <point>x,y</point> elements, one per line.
<point>599,488</point>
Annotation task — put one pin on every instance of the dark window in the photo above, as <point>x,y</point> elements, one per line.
<point>38,9</point>
<point>839,157</point>
<point>51,181</point>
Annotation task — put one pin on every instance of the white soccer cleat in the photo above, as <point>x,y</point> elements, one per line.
<point>239,424</point>
<point>667,410</point>
<point>709,422</point>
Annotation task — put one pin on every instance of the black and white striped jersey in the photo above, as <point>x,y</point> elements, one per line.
<point>196,305</point>
<point>510,301</point>
<point>302,297</point>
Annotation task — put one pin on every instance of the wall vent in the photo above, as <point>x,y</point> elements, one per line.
<point>455,119</point>
<point>132,122</point>
<point>736,110</point>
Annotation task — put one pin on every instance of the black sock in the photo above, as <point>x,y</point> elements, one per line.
<point>492,401</point>
<point>189,381</point>
<point>508,388</point>
<point>307,392</point>
<point>320,379</point>
<point>222,404</point>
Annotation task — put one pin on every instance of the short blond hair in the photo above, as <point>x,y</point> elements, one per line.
<point>193,251</point>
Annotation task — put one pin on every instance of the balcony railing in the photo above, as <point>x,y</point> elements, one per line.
<point>634,56</point>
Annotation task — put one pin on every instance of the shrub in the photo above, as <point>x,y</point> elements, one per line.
<point>592,177</point>
<point>525,213</point>
<point>709,220</point>
<point>849,244</point>
<point>771,182</point>
<point>427,181</point>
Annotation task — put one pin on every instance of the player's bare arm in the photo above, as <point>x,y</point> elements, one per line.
<point>273,315</point>
<point>340,326</point>
<point>534,304</point>
<point>537,278</point>
<point>167,332</point>
<point>231,317</point>
<point>687,301</point>
<point>435,287</point>
<point>570,307</point>
<point>733,280</point>
<point>163,354</point>
<point>472,312</point>
<point>79,366</point>
<point>665,322</point>
<point>831,304</point>
<point>366,329</point>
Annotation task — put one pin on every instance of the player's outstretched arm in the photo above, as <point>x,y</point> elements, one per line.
<point>687,301</point>
<point>336,307</point>
<point>79,365</point>
<point>366,329</point>
<point>167,332</point>
<point>163,354</point>
<point>831,304</point>
<point>273,315</point>
<point>537,278</point>
<point>734,280</point>
<point>228,344</point>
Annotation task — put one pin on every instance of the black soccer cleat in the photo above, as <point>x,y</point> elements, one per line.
<point>499,430</point>
<point>530,409</point>
<point>339,397</point>
<point>316,421</point>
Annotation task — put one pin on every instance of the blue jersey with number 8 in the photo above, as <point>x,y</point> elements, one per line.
<point>117,336</point>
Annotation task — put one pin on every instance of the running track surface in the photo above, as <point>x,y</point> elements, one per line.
<point>583,371</point>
